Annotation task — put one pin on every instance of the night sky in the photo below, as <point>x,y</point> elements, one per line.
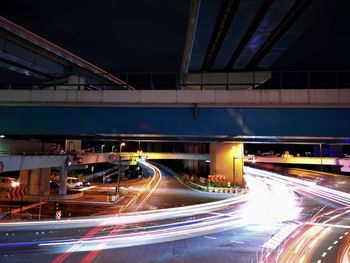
<point>118,36</point>
<point>149,35</point>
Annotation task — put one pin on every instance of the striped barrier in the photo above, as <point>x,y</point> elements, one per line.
<point>217,178</point>
<point>19,191</point>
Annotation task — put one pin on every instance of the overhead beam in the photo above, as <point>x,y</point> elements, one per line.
<point>284,98</point>
<point>294,13</point>
<point>191,28</point>
<point>249,33</point>
<point>10,36</point>
<point>226,14</point>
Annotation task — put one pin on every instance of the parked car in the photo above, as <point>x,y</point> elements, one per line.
<point>73,182</point>
<point>86,183</point>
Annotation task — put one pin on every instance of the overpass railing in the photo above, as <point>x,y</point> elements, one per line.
<point>173,80</point>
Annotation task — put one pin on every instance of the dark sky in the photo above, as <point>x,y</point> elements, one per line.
<point>119,36</point>
<point>148,35</point>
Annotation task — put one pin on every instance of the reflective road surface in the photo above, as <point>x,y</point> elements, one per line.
<point>281,219</point>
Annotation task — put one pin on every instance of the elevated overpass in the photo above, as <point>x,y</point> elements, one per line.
<point>314,115</point>
<point>343,162</point>
<point>230,36</point>
<point>45,65</point>
<point>35,170</point>
<point>27,162</point>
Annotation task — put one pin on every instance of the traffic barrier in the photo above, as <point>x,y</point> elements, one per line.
<point>217,178</point>
<point>19,191</point>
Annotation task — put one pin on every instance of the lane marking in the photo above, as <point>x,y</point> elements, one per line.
<point>209,237</point>
<point>238,242</point>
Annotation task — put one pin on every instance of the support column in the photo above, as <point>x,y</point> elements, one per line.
<point>44,186</point>
<point>63,181</point>
<point>227,159</point>
<point>24,177</point>
<point>37,180</point>
<point>72,145</point>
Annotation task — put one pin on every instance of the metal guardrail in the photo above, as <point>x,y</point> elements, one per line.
<point>173,80</point>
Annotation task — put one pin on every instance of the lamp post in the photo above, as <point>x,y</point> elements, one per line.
<point>234,170</point>
<point>102,146</point>
<point>321,156</point>
<point>120,164</point>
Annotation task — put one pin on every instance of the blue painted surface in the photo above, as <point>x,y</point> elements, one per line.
<point>20,55</point>
<point>245,14</point>
<point>174,121</point>
<point>273,17</point>
<point>208,13</point>
<point>239,25</point>
<point>309,15</point>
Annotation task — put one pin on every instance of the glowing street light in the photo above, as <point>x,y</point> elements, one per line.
<point>120,163</point>
<point>121,146</point>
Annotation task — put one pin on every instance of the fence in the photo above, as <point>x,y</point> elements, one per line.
<point>171,81</point>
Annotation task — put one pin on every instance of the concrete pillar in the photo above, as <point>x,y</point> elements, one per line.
<point>37,180</point>
<point>201,168</point>
<point>122,171</point>
<point>44,186</point>
<point>227,159</point>
<point>63,181</point>
<point>72,145</point>
<point>24,177</point>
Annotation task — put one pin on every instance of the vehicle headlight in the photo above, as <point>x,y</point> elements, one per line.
<point>14,184</point>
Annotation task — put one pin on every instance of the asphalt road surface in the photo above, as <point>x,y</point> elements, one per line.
<point>282,219</point>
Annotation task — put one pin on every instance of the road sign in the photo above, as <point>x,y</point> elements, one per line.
<point>58,214</point>
<point>113,198</point>
<point>1,167</point>
<point>19,191</point>
<point>217,178</point>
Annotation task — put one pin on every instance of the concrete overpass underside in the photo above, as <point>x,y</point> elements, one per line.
<point>246,115</point>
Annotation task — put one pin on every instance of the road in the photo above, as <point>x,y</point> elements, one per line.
<point>277,221</point>
<point>172,193</point>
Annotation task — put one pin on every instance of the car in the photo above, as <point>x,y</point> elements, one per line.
<point>251,156</point>
<point>6,183</point>
<point>86,183</point>
<point>74,183</point>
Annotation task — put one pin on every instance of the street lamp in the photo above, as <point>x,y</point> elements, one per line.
<point>120,164</point>
<point>234,170</point>
<point>321,156</point>
<point>102,146</point>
